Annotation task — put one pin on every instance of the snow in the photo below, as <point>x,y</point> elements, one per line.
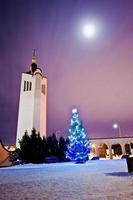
<point>94,180</point>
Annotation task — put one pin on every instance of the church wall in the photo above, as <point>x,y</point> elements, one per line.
<point>32,103</point>
<point>26,107</point>
<point>43,115</point>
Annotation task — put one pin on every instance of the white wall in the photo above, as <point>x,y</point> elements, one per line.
<point>32,106</point>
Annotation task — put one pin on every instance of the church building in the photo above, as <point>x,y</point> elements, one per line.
<point>33,102</point>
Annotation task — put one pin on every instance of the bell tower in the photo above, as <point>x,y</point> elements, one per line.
<point>33,102</point>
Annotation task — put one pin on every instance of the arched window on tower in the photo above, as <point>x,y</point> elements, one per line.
<point>30,86</point>
<point>24,85</point>
<point>27,86</point>
<point>43,89</point>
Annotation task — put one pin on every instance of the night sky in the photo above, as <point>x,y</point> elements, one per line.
<point>95,75</point>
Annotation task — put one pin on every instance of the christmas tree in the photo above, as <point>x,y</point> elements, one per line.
<point>78,145</point>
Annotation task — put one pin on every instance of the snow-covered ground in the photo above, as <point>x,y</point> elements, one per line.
<point>94,180</point>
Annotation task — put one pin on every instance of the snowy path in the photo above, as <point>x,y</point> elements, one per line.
<point>94,180</point>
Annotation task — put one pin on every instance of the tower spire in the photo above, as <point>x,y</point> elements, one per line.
<point>34,56</point>
<point>34,62</point>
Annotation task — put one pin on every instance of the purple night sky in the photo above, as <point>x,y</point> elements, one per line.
<point>95,75</point>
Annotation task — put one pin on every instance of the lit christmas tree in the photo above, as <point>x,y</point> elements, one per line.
<point>78,145</point>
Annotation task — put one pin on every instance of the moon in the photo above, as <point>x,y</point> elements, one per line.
<point>89,30</point>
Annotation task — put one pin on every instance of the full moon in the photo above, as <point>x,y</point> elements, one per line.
<point>89,30</point>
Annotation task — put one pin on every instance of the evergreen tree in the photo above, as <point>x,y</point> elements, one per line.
<point>52,145</point>
<point>37,154</point>
<point>25,148</point>
<point>44,146</point>
<point>78,146</point>
<point>62,149</point>
<point>32,148</point>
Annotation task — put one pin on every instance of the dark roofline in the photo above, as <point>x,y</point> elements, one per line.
<point>111,138</point>
<point>40,69</point>
<point>3,146</point>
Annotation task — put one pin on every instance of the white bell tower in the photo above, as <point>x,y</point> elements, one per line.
<point>33,102</point>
